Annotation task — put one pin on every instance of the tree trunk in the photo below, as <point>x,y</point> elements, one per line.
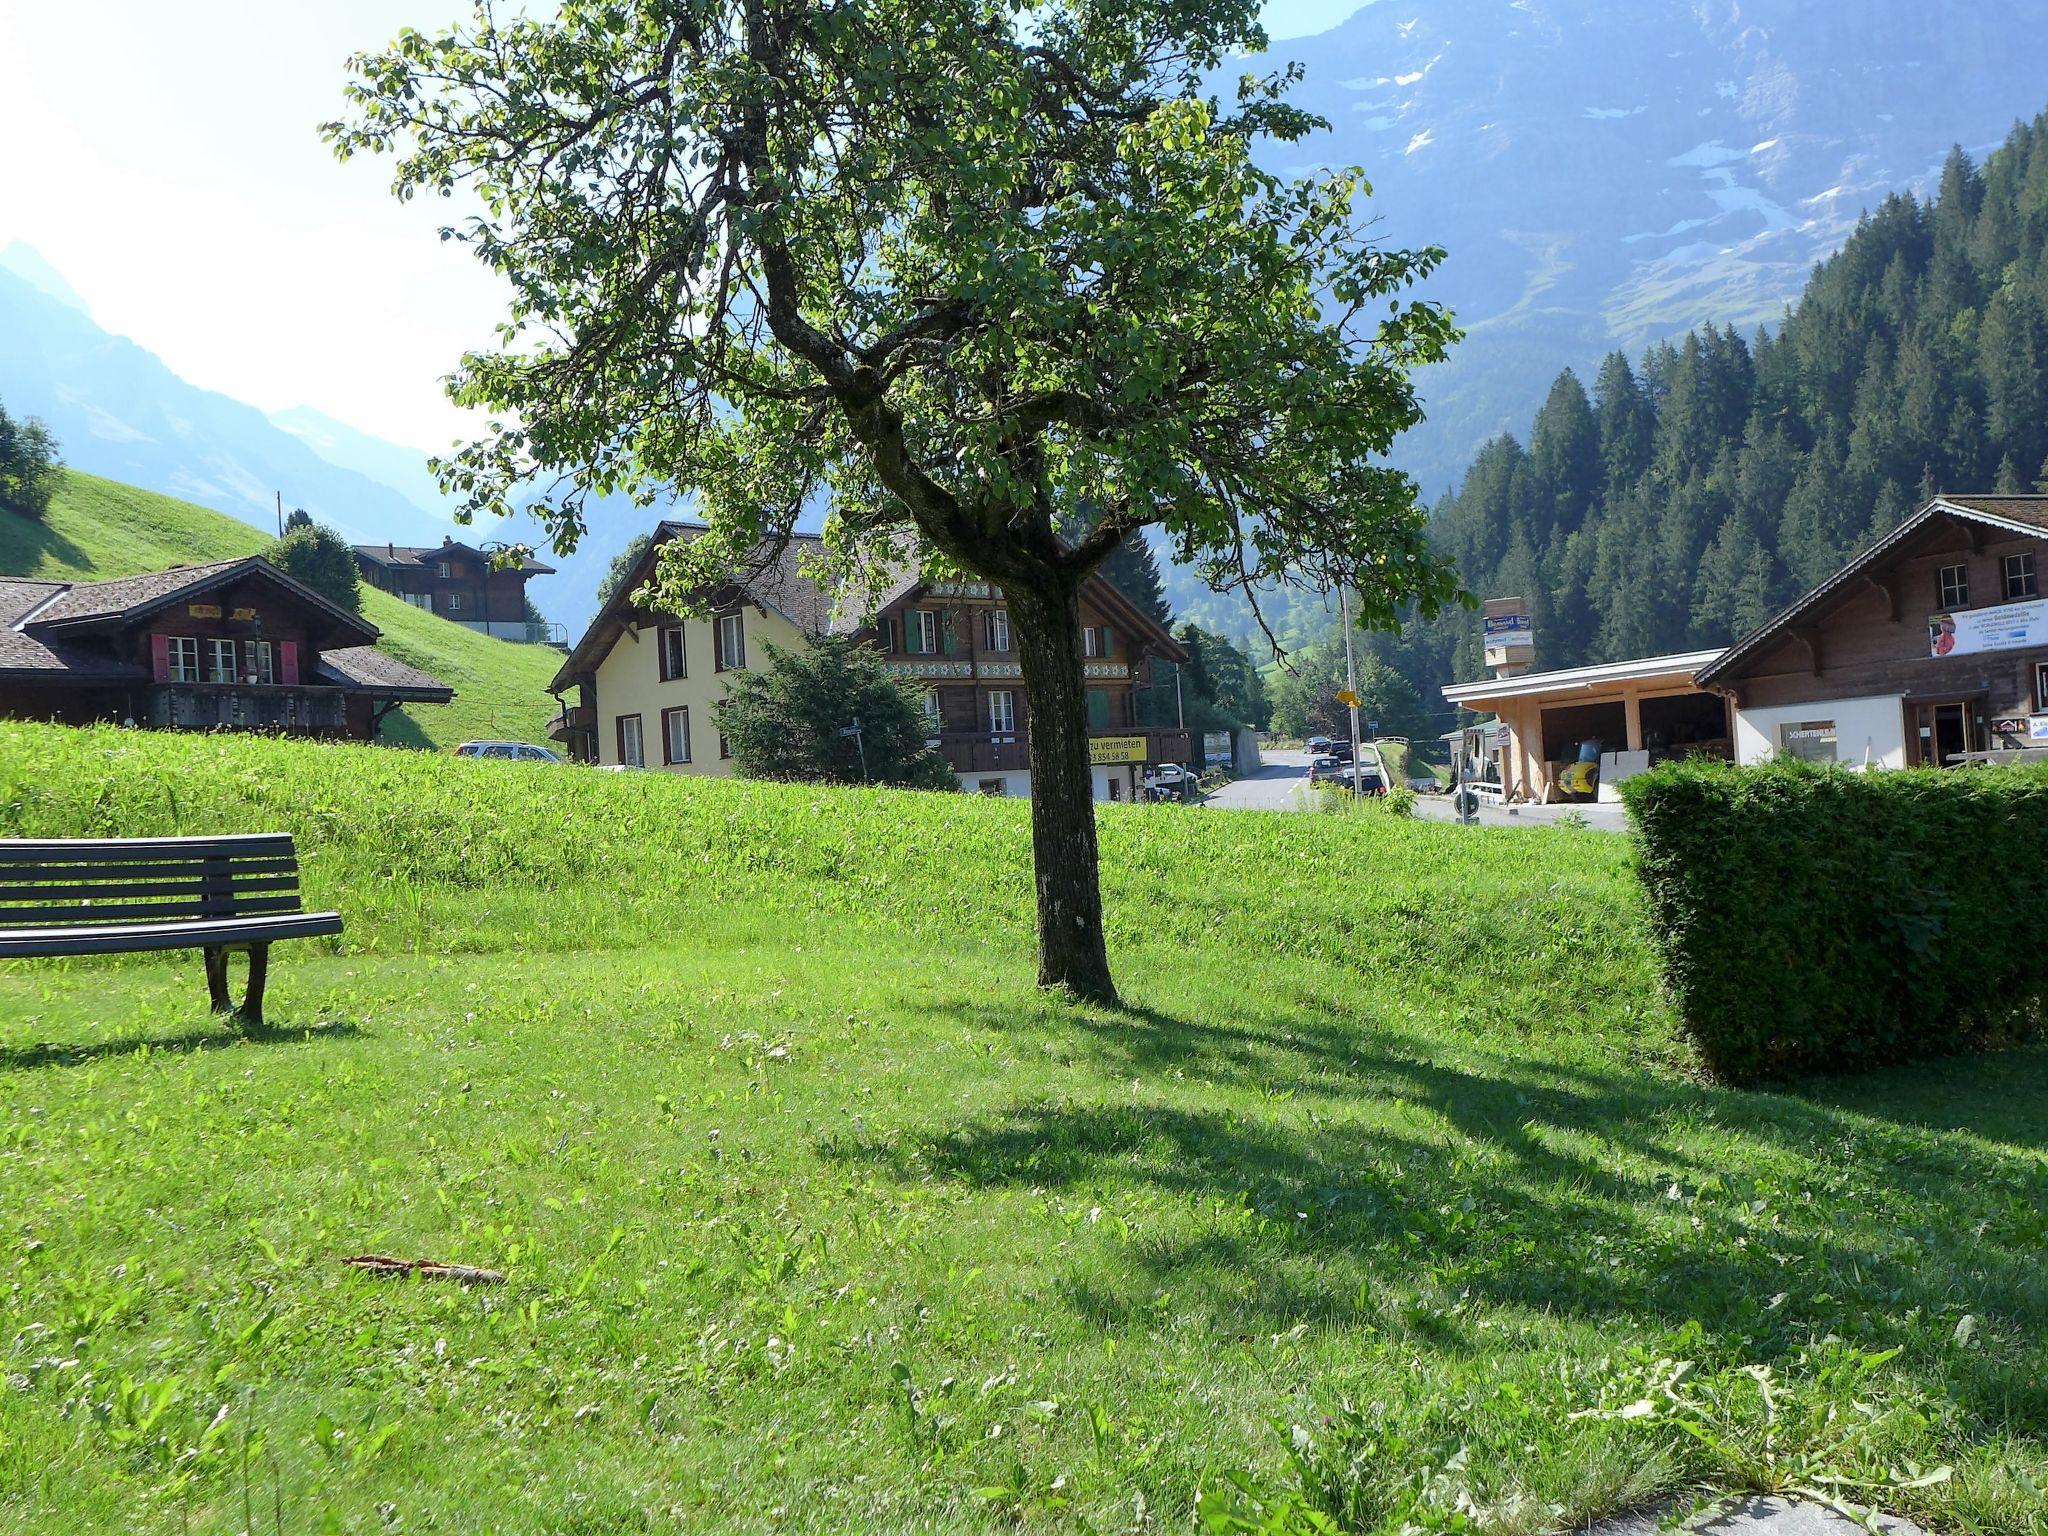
<point>1071,950</point>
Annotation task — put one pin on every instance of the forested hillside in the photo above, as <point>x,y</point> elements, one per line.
<point>1689,494</point>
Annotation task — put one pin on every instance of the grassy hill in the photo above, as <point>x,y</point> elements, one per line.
<point>101,528</point>
<point>1390,1195</point>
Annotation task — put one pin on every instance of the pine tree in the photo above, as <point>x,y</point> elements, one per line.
<point>1133,570</point>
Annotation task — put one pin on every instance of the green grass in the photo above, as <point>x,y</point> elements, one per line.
<point>1390,1192</point>
<point>100,528</point>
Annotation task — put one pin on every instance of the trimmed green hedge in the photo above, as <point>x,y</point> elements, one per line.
<point>1820,920</point>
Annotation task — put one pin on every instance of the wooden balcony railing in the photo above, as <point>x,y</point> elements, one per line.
<point>972,752</point>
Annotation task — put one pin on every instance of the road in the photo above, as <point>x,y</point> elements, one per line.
<point>1278,784</point>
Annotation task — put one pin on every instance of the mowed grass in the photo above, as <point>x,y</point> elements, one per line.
<point>1389,1195</point>
<point>98,529</point>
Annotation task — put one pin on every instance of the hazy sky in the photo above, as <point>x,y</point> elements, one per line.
<point>165,158</point>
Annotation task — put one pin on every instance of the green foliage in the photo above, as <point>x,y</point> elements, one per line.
<point>1822,920</point>
<point>1220,687</point>
<point>98,529</point>
<point>749,1089</point>
<point>1305,696</point>
<point>784,721</point>
<point>1133,569</point>
<point>29,466</point>
<point>622,566</point>
<point>320,558</point>
<point>1697,492</point>
<point>300,518</point>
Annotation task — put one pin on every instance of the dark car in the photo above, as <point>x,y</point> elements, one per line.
<point>1318,745</point>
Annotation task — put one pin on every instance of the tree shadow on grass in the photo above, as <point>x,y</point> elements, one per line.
<point>1354,1177</point>
<point>220,1037</point>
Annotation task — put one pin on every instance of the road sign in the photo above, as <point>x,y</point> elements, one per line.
<point>1347,698</point>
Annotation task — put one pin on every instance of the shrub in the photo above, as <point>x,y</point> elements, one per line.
<point>29,464</point>
<point>788,722</point>
<point>322,559</point>
<point>1818,919</point>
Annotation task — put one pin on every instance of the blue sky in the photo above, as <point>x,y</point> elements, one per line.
<point>165,158</point>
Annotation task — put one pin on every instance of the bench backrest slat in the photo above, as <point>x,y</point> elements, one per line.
<point>81,882</point>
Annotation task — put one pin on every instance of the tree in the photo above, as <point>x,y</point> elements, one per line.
<point>299,518</point>
<point>1221,688</point>
<point>784,722</point>
<point>1133,570</point>
<point>622,566</point>
<point>970,272</point>
<point>29,465</point>
<point>321,559</point>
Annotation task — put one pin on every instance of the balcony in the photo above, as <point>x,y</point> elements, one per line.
<point>972,752</point>
<point>576,717</point>
<point>518,631</point>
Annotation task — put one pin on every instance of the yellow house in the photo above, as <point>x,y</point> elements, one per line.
<point>646,682</point>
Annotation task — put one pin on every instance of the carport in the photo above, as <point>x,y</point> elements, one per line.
<point>1624,715</point>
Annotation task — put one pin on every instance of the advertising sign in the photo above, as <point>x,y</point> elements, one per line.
<point>1216,747</point>
<point>2008,627</point>
<point>1500,628</point>
<point>1116,749</point>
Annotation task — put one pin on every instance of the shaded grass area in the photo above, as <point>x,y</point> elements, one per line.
<point>817,1216</point>
<point>99,529</point>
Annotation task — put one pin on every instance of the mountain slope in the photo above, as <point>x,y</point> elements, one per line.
<point>1608,176</point>
<point>98,529</point>
<point>119,410</point>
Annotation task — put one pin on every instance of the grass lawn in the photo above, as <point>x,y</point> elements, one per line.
<point>101,528</point>
<point>1389,1195</point>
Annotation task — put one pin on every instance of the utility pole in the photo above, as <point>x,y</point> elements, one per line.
<point>280,514</point>
<point>1350,683</point>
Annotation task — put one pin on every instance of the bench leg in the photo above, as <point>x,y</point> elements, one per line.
<point>217,978</point>
<point>251,1011</point>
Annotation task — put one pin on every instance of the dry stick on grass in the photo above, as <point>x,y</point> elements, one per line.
<point>426,1269</point>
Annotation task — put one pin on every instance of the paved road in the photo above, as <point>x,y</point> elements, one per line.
<point>1279,785</point>
<point>1599,818</point>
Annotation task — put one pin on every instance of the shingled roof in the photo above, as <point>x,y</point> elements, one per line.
<point>2014,514</point>
<point>23,652</point>
<point>396,555</point>
<point>92,605</point>
<point>365,667</point>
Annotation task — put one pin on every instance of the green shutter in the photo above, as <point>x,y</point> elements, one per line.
<point>1105,640</point>
<point>910,632</point>
<point>946,640</point>
<point>1098,708</point>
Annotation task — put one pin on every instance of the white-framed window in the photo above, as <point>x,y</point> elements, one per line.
<point>732,641</point>
<point>932,716</point>
<point>220,661</point>
<point>183,652</point>
<point>675,659</point>
<point>992,787</point>
<point>2019,577</point>
<point>1952,584</point>
<point>420,600</point>
<point>1002,711</point>
<point>629,742</point>
<point>675,735</point>
<point>996,629</point>
<point>256,660</point>
<point>921,631</point>
<point>442,570</point>
<point>455,602</point>
<point>1089,643</point>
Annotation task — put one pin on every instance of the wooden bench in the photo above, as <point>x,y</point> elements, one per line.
<point>112,896</point>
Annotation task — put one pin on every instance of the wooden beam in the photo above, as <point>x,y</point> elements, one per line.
<point>1810,639</point>
<point>1888,585</point>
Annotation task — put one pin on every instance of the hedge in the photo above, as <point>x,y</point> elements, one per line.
<point>1814,919</point>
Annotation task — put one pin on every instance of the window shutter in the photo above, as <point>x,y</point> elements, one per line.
<point>160,657</point>
<point>288,663</point>
<point>946,638</point>
<point>1105,640</point>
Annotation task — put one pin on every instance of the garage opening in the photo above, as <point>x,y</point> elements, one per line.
<point>1681,724</point>
<point>1568,727</point>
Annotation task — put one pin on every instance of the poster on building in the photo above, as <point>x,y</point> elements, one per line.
<point>2008,627</point>
<point>1216,747</point>
<point>1116,749</point>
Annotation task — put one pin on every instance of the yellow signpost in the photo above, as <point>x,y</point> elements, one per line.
<point>1116,749</point>
<point>1347,698</point>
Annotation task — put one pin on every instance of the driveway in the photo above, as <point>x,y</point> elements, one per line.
<point>1276,785</point>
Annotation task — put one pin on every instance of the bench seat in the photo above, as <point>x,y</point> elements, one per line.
<point>133,938</point>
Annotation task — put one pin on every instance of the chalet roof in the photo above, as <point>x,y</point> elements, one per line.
<point>1685,664</point>
<point>23,652</point>
<point>2011,514</point>
<point>89,605</point>
<point>368,669</point>
<point>395,556</point>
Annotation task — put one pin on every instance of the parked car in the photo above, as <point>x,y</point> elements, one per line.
<point>513,751</point>
<point>1169,781</point>
<point>1363,780</point>
<point>1323,769</point>
<point>1318,745</point>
